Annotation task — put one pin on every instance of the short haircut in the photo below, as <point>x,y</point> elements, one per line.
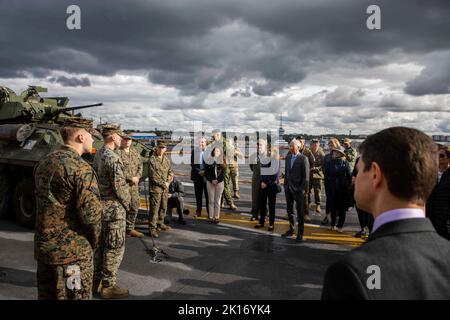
<point>407,158</point>
<point>295,141</point>
<point>68,133</point>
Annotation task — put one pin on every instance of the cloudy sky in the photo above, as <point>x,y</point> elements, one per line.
<point>237,64</point>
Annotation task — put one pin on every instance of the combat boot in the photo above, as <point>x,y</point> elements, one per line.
<point>307,218</point>
<point>114,293</point>
<point>135,234</point>
<point>164,227</point>
<point>236,195</point>
<point>318,208</point>
<point>233,207</point>
<point>154,233</point>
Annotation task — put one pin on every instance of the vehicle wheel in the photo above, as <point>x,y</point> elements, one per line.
<point>24,203</point>
<point>5,195</point>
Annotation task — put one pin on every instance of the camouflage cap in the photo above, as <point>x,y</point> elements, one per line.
<point>315,141</point>
<point>77,122</point>
<point>128,135</point>
<point>347,140</point>
<point>109,129</point>
<point>161,144</point>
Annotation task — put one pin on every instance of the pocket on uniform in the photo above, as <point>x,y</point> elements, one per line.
<point>114,234</point>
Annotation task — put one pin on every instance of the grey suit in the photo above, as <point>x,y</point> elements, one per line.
<point>296,183</point>
<point>413,261</point>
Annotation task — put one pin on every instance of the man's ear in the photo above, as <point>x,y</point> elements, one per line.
<point>377,175</point>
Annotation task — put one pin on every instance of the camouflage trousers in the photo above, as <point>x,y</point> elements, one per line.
<point>158,208</point>
<point>316,185</point>
<point>234,174</point>
<point>108,256</point>
<point>226,187</point>
<point>53,280</point>
<point>134,209</point>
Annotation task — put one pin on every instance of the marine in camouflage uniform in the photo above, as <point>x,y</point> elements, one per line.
<point>68,222</point>
<point>115,194</point>
<point>160,175</point>
<point>234,171</point>
<point>133,168</point>
<point>316,176</point>
<point>350,153</point>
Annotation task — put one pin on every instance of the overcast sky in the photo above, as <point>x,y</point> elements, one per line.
<point>237,64</point>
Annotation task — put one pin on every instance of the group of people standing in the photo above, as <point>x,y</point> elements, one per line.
<point>84,213</point>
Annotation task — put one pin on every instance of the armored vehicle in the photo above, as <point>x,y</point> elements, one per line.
<point>29,130</point>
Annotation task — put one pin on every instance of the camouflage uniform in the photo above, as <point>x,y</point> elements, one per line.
<point>234,169</point>
<point>316,176</point>
<point>133,168</point>
<point>68,225</point>
<point>159,172</point>
<point>350,155</point>
<point>116,200</point>
<point>309,155</point>
<point>226,186</point>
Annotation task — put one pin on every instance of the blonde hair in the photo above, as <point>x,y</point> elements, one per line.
<point>335,142</point>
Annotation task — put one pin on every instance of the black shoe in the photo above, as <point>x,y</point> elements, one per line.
<point>182,222</point>
<point>299,239</point>
<point>210,221</point>
<point>217,221</point>
<point>324,221</point>
<point>288,233</point>
<point>259,225</point>
<point>270,228</point>
<point>358,234</point>
<point>253,218</point>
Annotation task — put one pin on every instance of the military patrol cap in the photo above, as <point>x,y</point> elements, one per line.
<point>127,135</point>
<point>161,144</point>
<point>109,129</point>
<point>315,141</point>
<point>77,122</point>
<point>300,138</point>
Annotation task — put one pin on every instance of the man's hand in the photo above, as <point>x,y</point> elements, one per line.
<point>135,180</point>
<point>201,173</point>
<point>167,184</point>
<point>169,195</point>
<point>215,182</point>
<point>263,185</point>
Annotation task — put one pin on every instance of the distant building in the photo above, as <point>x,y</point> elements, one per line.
<point>145,136</point>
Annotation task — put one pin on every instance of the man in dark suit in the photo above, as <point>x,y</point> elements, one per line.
<point>438,204</point>
<point>404,257</point>
<point>296,184</point>
<point>198,166</point>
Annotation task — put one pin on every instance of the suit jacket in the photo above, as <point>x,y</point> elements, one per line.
<point>414,263</point>
<point>438,206</point>
<point>195,168</point>
<point>296,179</point>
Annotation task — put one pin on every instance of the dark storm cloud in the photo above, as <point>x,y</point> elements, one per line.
<point>434,78</point>
<point>72,81</point>
<point>185,43</point>
<point>344,97</point>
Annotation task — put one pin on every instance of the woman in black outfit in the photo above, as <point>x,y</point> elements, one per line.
<point>215,175</point>
<point>340,178</point>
